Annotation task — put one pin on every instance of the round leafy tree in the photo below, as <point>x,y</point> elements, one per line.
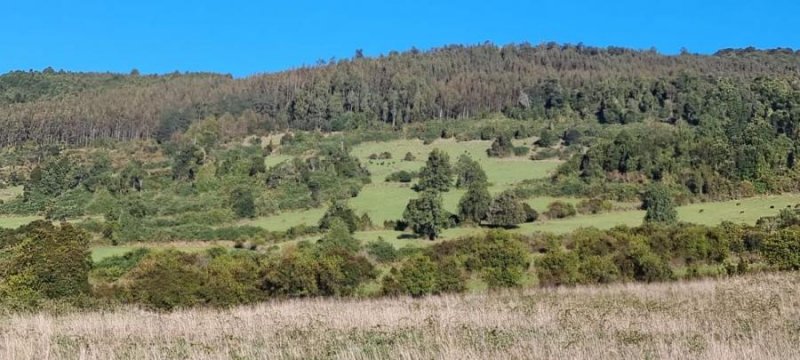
<point>426,215</point>
<point>475,203</point>
<point>506,211</point>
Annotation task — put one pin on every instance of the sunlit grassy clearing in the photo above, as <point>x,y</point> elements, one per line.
<point>13,222</point>
<point>501,172</point>
<point>10,192</point>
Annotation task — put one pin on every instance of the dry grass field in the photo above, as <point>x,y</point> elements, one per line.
<point>754,317</point>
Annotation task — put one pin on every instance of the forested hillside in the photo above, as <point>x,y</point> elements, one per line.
<point>546,82</point>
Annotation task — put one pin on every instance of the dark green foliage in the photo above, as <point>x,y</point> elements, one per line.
<point>594,206</point>
<point>382,251</point>
<point>310,271</point>
<point>242,203</point>
<point>501,147</point>
<point>474,205</point>
<point>339,238</point>
<point>521,150</point>
<point>167,280</point>
<point>658,203</point>
<point>112,268</point>
<point>468,172</point>
<point>43,261</point>
<point>409,157</point>
<point>640,263</point>
<point>426,215</point>
<point>500,258</point>
<point>437,173</point>
<point>186,160</point>
<point>559,268</point>
<point>420,276</point>
<point>782,249</point>
<point>339,210</point>
<point>506,210</point>
<point>547,138</point>
<point>402,176</point>
<point>560,210</point>
<point>530,213</point>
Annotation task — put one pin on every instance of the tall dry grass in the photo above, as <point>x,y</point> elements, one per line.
<point>755,317</point>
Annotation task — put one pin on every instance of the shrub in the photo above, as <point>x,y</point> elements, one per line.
<point>658,203</point>
<point>559,267</point>
<point>599,269</point>
<point>419,276</point>
<point>382,251</point>
<point>409,157</point>
<point>312,271</point>
<point>782,249</point>
<point>637,261</point>
<point>339,238</point>
<point>594,206</point>
<point>530,213</point>
<point>51,261</point>
<point>339,209</point>
<point>560,210</point>
<point>165,280</point>
<point>547,138</point>
<point>501,147</point>
<point>401,176</point>
<point>506,210</point>
<point>112,268</point>
<point>521,150</point>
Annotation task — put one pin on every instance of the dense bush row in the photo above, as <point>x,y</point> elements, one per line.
<point>43,264</point>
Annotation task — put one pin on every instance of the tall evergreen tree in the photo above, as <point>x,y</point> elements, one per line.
<point>437,173</point>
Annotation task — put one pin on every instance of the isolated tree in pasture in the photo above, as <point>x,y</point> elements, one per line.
<point>474,205</point>
<point>437,173</point>
<point>659,205</point>
<point>468,172</point>
<point>506,210</point>
<point>426,215</point>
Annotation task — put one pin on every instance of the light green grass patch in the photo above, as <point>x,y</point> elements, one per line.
<point>13,222</point>
<point>286,220</point>
<point>102,252</point>
<point>10,193</point>
<point>747,212</point>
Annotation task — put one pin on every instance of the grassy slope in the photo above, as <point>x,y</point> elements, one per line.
<point>754,317</point>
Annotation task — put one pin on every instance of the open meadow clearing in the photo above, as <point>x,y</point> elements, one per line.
<point>753,317</point>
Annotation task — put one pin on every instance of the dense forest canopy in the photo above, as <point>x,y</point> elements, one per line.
<point>548,81</point>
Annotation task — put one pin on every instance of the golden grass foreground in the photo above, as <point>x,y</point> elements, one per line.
<point>754,317</point>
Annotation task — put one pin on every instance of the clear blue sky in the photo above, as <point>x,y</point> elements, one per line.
<point>243,37</point>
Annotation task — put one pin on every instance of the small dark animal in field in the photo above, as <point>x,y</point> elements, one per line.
<point>772,206</point>
<point>701,210</point>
